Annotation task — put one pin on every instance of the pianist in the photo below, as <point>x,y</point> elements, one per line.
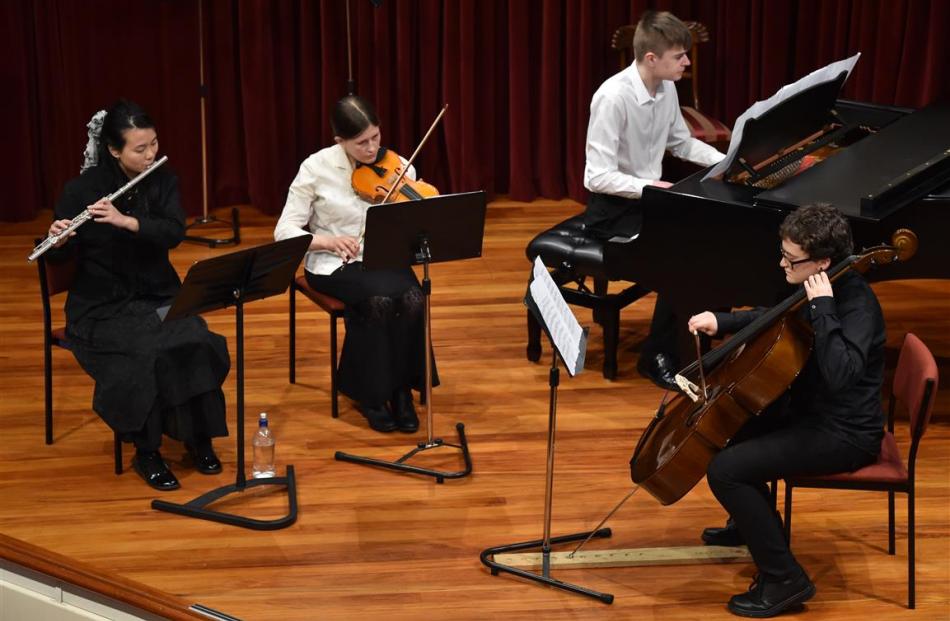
<point>634,118</point>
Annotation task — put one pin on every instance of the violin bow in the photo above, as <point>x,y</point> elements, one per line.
<point>412,158</point>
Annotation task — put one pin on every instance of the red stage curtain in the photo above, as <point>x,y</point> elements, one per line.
<point>518,78</point>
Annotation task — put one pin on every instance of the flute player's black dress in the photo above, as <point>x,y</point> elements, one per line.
<point>151,377</point>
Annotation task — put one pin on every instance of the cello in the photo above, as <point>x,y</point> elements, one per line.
<point>748,372</point>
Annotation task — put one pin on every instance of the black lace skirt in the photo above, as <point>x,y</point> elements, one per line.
<point>384,347</point>
<point>153,376</point>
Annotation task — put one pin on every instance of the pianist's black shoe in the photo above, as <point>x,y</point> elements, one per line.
<point>766,598</point>
<point>153,469</point>
<point>727,535</point>
<point>660,369</point>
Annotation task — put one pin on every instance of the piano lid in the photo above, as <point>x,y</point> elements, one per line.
<point>793,114</point>
<point>791,122</point>
<point>879,174</point>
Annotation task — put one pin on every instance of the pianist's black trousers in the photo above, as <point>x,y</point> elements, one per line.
<point>768,448</point>
<point>609,216</point>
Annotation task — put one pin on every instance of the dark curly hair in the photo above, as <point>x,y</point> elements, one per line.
<point>820,230</point>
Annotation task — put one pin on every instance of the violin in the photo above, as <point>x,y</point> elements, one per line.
<point>749,372</point>
<point>385,181</point>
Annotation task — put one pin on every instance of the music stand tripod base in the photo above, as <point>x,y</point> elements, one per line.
<point>213,242</point>
<point>197,508</point>
<point>488,559</point>
<point>235,279</point>
<point>401,465</point>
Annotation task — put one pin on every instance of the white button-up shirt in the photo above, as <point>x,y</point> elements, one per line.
<point>628,132</point>
<point>321,201</point>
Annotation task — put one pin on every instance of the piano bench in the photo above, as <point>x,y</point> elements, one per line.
<point>573,258</point>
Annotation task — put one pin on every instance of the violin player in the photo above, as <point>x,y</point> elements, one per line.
<point>383,355</point>
<point>831,420</point>
<point>634,118</point>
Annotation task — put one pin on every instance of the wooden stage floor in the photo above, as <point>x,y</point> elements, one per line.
<point>374,544</point>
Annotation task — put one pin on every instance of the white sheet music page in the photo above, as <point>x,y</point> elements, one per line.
<point>825,74</point>
<point>566,333</point>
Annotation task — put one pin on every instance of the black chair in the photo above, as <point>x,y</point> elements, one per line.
<point>573,258</point>
<point>56,276</point>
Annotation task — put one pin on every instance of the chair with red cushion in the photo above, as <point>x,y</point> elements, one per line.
<point>56,276</point>
<point>701,126</point>
<point>915,385</point>
<point>334,308</point>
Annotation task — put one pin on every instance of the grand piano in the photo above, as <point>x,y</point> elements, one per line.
<point>714,243</point>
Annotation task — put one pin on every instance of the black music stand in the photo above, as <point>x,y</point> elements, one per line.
<point>432,230</point>
<point>488,555</point>
<point>235,279</point>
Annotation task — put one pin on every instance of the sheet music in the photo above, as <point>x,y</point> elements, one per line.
<point>825,74</point>
<point>567,334</point>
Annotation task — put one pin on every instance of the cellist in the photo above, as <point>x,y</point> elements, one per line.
<point>831,419</point>
<point>383,351</point>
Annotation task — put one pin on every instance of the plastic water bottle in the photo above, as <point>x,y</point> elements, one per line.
<point>263,443</point>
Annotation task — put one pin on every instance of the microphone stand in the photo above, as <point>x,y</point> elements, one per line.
<point>205,219</point>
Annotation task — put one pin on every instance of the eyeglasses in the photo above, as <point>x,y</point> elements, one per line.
<point>791,262</point>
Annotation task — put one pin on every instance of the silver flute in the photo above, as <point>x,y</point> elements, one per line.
<point>85,215</point>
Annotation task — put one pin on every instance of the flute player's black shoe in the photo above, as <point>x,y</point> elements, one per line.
<point>154,471</point>
<point>203,457</point>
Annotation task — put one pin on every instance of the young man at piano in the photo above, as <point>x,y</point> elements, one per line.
<point>830,420</point>
<point>634,118</point>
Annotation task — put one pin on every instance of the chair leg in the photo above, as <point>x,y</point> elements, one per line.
<point>598,313</point>
<point>911,551</point>
<point>292,362</point>
<point>611,327</point>
<point>117,442</point>
<point>788,512</point>
<point>891,548</point>
<point>334,400</point>
<point>48,389</point>
<point>533,351</point>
